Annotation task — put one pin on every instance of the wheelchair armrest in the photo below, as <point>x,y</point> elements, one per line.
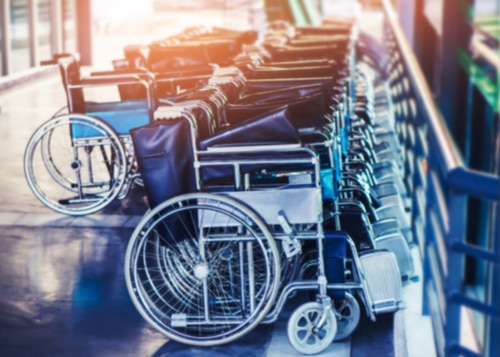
<point>257,147</point>
<point>359,164</point>
<point>119,73</point>
<point>363,167</point>
<point>112,78</point>
<point>260,165</point>
<point>370,202</point>
<point>55,59</point>
<point>185,72</point>
<point>105,80</point>
<point>315,135</point>
<point>319,40</point>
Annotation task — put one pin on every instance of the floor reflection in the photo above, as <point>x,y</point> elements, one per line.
<point>63,293</point>
<point>253,344</point>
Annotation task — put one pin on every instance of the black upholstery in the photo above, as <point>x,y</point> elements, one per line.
<point>168,58</point>
<point>292,53</point>
<point>165,155</point>
<point>334,254</point>
<point>165,158</point>
<point>302,63</point>
<point>305,112</point>
<point>263,85</point>
<point>271,126</point>
<point>281,94</point>
<point>70,74</point>
<point>290,72</point>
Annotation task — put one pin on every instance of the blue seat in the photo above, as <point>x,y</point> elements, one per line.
<point>121,116</point>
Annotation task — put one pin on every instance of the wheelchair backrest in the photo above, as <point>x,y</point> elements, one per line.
<point>169,58</point>
<point>305,112</point>
<point>164,154</point>
<point>291,93</point>
<point>268,127</point>
<point>168,154</point>
<point>261,85</point>
<point>70,74</point>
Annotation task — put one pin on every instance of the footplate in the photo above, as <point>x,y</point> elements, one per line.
<point>383,280</point>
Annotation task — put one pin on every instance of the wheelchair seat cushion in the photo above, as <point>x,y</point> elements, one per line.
<point>121,116</point>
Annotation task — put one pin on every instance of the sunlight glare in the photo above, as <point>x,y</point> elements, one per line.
<point>118,10</point>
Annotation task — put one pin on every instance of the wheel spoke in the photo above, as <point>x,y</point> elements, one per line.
<point>191,289</point>
<point>74,172</point>
<point>303,331</point>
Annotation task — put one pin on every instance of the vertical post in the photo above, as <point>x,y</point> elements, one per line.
<point>492,324</point>
<point>456,33</point>
<point>406,12</point>
<point>33,32</point>
<point>424,42</point>
<point>6,37</point>
<point>56,29</point>
<point>457,213</point>
<point>84,31</point>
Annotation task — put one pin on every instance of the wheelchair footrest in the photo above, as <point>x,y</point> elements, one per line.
<point>382,279</point>
<point>80,200</point>
<point>397,244</point>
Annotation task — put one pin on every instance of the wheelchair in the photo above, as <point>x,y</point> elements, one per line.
<point>78,162</point>
<point>237,227</point>
<point>308,83</point>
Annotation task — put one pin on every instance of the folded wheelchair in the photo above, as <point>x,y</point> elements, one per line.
<point>237,226</point>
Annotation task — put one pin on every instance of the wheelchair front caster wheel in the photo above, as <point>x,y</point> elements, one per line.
<point>304,333</point>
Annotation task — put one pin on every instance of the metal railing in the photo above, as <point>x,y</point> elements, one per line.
<point>441,187</point>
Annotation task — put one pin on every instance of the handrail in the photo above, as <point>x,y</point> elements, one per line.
<point>476,184</point>
<point>492,57</point>
<point>487,85</point>
<point>440,213</point>
<point>452,159</point>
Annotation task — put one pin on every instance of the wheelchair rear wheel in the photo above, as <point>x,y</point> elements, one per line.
<point>202,269</point>
<point>75,164</point>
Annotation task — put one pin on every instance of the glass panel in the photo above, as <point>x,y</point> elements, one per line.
<point>69,26</point>
<point>433,9</point>
<point>1,41</point>
<point>20,35</point>
<point>44,29</point>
